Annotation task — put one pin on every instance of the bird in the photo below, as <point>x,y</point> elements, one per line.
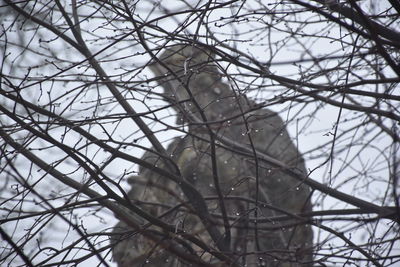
<point>259,200</point>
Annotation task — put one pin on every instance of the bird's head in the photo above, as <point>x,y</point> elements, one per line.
<point>188,73</point>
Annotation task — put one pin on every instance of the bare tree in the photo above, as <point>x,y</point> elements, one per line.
<point>95,120</point>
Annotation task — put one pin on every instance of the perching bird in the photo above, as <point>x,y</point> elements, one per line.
<point>193,83</point>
